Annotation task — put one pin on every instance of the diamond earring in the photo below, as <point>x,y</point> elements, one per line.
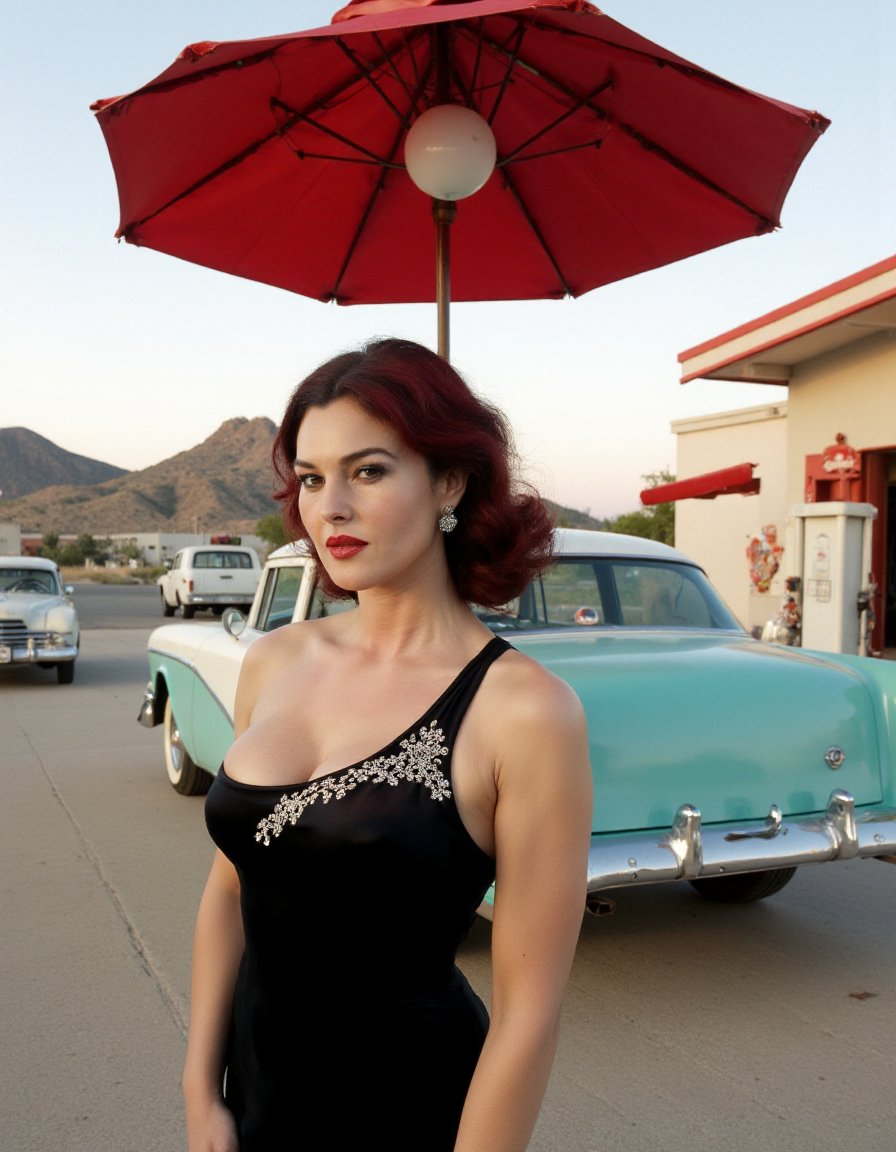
<point>448,521</point>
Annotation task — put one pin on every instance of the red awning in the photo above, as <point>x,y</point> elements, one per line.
<point>725,482</point>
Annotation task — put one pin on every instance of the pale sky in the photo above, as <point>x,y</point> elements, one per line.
<point>130,356</point>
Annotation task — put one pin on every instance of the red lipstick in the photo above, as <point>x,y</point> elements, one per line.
<point>344,547</point>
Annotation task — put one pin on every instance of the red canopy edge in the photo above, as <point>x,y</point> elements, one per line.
<point>724,482</point>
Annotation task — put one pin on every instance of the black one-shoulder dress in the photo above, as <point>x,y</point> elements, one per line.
<point>352,1026</point>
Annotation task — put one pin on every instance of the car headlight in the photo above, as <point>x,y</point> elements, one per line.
<point>59,640</point>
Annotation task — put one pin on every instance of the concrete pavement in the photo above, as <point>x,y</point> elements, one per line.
<point>688,1027</point>
<point>92,983</point>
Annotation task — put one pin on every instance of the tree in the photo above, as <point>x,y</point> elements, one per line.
<point>90,548</point>
<point>656,522</point>
<point>271,528</point>
<point>49,546</point>
<point>70,556</point>
<point>130,550</point>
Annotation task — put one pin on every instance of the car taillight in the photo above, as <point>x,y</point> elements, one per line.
<point>190,582</point>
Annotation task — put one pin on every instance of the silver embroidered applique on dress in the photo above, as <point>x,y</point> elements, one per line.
<point>418,762</point>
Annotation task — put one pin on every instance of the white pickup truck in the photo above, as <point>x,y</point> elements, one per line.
<point>215,576</point>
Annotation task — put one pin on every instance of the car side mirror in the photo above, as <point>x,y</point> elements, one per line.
<point>234,622</point>
<point>69,590</point>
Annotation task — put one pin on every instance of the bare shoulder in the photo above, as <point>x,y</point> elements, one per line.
<point>288,643</point>
<point>531,727</point>
<point>529,696</point>
<point>535,739</point>
<point>272,655</point>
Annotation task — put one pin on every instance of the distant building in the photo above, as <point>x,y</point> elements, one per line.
<point>157,547</point>
<point>10,539</point>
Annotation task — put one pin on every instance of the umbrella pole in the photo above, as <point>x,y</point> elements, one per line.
<point>443,213</point>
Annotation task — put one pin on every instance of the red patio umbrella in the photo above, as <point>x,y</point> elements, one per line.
<point>281,159</point>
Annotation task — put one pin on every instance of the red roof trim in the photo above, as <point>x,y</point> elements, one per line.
<point>757,349</point>
<point>724,482</point>
<point>795,306</point>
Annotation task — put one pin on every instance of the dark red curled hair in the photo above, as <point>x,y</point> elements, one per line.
<point>503,536</point>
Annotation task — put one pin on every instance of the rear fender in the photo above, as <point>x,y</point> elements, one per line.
<point>880,676</point>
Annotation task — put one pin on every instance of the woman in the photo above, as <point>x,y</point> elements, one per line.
<point>350,860</point>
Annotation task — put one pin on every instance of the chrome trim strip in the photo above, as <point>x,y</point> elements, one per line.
<point>32,654</point>
<point>197,599</point>
<point>689,851</point>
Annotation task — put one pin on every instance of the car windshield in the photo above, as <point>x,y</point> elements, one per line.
<point>616,592</point>
<point>27,580</point>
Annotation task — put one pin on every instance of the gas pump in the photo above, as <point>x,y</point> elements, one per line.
<point>832,554</point>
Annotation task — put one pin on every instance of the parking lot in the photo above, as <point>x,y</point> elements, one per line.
<point>687,1025</point>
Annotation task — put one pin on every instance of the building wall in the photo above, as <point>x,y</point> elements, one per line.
<point>157,547</point>
<point>852,390</point>
<point>716,533</point>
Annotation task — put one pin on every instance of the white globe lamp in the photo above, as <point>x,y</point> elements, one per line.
<point>450,152</point>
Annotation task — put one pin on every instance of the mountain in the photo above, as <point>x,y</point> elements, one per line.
<point>29,462</point>
<point>572,518</point>
<point>222,485</point>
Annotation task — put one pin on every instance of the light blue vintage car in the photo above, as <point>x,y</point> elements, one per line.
<point>717,759</point>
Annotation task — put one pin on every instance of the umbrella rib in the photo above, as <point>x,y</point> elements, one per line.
<point>571,111</point>
<point>368,74</point>
<point>536,231</point>
<point>595,143</point>
<point>201,182</point>
<point>513,58</point>
<point>474,75</point>
<point>294,116</point>
<point>390,63</point>
<point>765,224</point>
<point>301,154</point>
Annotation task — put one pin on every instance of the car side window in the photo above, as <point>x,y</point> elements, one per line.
<point>567,595</point>
<point>278,601</point>
<point>571,596</point>
<point>654,595</point>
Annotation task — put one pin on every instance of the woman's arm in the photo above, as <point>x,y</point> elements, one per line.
<point>542,833</point>
<point>218,945</point>
<point>217,950</point>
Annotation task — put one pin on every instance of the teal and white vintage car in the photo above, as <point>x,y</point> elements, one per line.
<point>717,759</point>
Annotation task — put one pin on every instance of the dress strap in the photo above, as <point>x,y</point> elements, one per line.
<point>452,707</point>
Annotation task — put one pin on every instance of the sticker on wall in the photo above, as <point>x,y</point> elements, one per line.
<point>764,554</point>
<point>821,557</point>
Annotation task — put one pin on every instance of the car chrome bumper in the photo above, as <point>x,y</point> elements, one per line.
<point>199,600</point>
<point>35,653</point>
<point>147,714</point>
<point>689,851</point>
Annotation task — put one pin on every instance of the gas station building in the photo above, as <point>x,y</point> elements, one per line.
<point>794,503</point>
